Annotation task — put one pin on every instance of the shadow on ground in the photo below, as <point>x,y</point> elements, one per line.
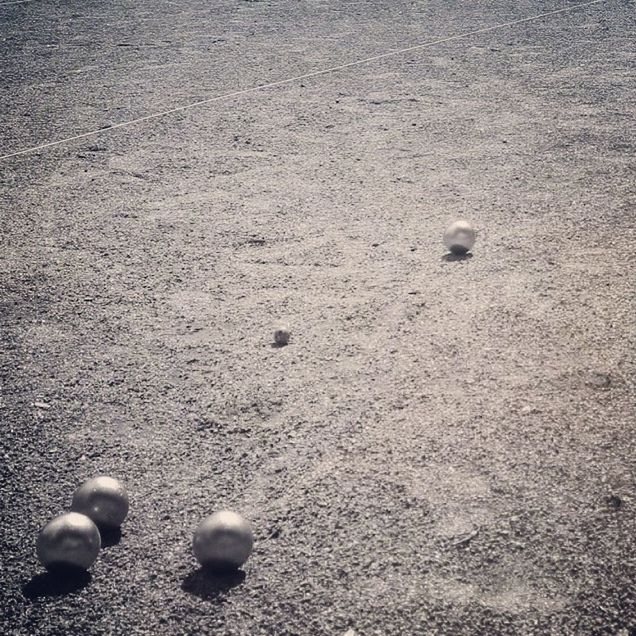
<point>209,584</point>
<point>110,536</point>
<point>57,583</point>
<point>452,258</point>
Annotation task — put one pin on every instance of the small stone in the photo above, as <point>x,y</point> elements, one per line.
<point>281,336</point>
<point>598,380</point>
<point>41,405</point>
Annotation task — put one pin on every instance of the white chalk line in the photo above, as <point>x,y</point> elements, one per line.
<point>6,4</point>
<point>331,69</point>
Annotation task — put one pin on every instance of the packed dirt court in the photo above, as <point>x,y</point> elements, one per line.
<point>446,446</point>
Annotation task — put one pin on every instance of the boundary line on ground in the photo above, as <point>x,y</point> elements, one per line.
<point>289,80</point>
<point>6,4</point>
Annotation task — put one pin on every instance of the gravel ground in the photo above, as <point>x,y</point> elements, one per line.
<point>446,446</point>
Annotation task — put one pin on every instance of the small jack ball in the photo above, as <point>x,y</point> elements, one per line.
<point>103,499</point>
<point>69,541</point>
<point>223,541</point>
<point>459,237</point>
<point>281,336</point>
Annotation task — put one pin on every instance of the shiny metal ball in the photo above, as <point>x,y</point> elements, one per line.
<point>459,237</point>
<point>103,499</point>
<point>223,541</point>
<point>69,541</point>
<point>281,336</point>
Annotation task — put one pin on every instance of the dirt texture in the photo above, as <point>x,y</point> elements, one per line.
<point>446,446</point>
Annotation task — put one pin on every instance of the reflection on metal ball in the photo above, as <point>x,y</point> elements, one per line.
<point>459,237</point>
<point>103,499</point>
<point>223,540</point>
<point>69,541</point>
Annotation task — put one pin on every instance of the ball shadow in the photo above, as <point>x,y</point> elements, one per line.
<point>278,345</point>
<point>210,584</point>
<point>452,258</point>
<point>58,582</point>
<point>110,536</point>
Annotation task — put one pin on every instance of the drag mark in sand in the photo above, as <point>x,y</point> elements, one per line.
<point>289,80</point>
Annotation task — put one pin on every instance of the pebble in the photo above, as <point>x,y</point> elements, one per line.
<point>598,380</point>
